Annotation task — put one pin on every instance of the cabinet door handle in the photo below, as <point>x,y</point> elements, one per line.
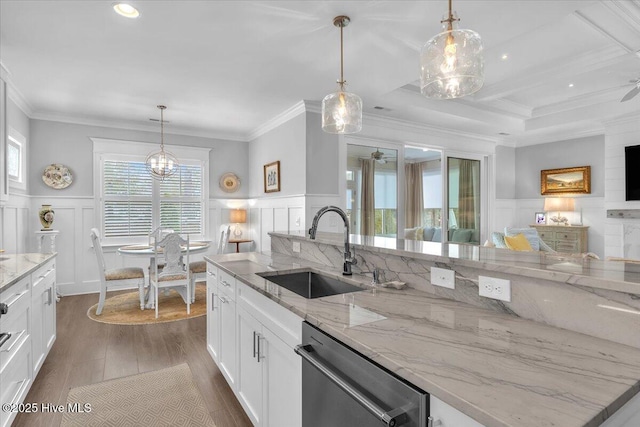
<point>50,296</point>
<point>224,283</point>
<point>223,300</point>
<point>213,301</point>
<point>9,304</point>
<point>260,355</point>
<point>211,274</point>
<point>254,344</point>
<point>15,341</point>
<point>433,423</point>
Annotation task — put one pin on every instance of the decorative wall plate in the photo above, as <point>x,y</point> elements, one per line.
<point>229,182</point>
<point>57,176</point>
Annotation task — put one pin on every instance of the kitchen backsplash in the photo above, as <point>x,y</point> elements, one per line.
<point>602,313</point>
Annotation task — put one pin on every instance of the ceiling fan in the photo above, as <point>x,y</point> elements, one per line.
<point>633,92</point>
<point>379,156</point>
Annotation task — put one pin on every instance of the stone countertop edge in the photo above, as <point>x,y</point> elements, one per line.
<point>600,383</point>
<point>14,267</point>
<point>530,264</point>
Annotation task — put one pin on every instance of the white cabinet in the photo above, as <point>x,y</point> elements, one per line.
<point>15,354</point>
<point>269,371</point>
<point>213,313</point>
<point>251,339</point>
<point>448,416</point>
<point>43,306</point>
<point>221,322</point>
<point>251,366</point>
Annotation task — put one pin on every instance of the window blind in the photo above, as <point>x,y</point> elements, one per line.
<point>130,195</point>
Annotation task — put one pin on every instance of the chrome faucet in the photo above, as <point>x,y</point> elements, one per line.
<point>348,259</point>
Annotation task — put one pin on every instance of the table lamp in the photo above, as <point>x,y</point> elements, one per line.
<point>559,204</point>
<point>238,216</point>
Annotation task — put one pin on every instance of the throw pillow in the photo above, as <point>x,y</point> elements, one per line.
<point>461,236</point>
<point>419,233</point>
<point>497,239</point>
<point>410,233</point>
<point>437,235</point>
<point>427,235</point>
<point>488,244</point>
<point>531,234</point>
<point>518,243</point>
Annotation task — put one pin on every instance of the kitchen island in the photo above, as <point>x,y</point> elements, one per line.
<point>498,369</point>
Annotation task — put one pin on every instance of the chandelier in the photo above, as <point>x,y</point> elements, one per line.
<point>161,164</point>
<point>341,110</point>
<point>451,63</point>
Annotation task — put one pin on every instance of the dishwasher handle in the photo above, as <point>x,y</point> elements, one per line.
<point>393,418</point>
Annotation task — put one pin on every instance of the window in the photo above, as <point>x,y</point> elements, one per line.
<point>16,159</point>
<point>132,203</point>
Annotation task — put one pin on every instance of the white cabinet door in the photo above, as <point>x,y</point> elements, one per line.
<point>227,354</point>
<point>250,363</point>
<point>283,383</point>
<point>448,415</point>
<point>49,316</point>
<point>43,314</point>
<point>213,314</point>
<point>4,177</point>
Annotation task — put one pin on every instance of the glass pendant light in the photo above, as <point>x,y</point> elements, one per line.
<point>451,63</point>
<point>161,164</point>
<point>341,110</point>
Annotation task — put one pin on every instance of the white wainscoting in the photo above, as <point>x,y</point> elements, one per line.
<point>75,216</point>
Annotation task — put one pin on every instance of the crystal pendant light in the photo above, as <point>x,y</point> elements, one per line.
<point>161,164</point>
<point>341,110</point>
<point>451,63</point>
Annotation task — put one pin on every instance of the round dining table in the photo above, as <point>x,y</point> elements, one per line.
<point>148,251</point>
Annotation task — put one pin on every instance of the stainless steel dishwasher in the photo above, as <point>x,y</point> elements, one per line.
<point>341,387</point>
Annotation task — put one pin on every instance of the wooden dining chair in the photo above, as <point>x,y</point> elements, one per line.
<point>115,277</point>
<point>175,273</point>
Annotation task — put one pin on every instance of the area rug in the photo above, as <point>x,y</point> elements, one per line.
<point>168,397</point>
<point>124,309</point>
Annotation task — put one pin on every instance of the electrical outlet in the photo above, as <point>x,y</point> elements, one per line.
<point>443,277</point>
<point>296,247</point>
<point>491,287</point>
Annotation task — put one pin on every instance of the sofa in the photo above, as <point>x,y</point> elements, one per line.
<point>434,234</point>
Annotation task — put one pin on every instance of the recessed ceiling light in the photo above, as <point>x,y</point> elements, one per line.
<point>570,84</point>
<point>504,133</point>
<point>126,10</point>
<point>504,56</point>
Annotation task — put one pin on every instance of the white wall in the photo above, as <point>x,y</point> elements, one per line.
<point>286,143</point>
<point>618,134</point>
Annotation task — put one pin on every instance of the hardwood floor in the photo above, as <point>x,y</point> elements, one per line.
<point>87,352</point>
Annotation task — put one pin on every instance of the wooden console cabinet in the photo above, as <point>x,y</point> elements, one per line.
<point>572,239</point>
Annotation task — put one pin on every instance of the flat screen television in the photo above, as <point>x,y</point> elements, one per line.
<point>632,172</point>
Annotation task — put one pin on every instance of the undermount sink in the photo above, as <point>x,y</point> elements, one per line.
<point>309,284</point>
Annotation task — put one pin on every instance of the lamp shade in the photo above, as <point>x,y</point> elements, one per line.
<point>559,204</point>
<point>238,216</point>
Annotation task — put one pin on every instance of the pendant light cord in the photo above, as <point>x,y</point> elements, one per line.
<point>162,108</point>
<point>450,19</point>
<point>341,58</point>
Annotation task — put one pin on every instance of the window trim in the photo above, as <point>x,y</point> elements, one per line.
<point>138,151</point>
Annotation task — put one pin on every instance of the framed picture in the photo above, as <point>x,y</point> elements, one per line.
<point>569,180</point>
<point>272,177</point>
<point>541,218</point>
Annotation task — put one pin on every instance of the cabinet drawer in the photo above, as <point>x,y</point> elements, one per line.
<point>46,271</point>
<point>16,321</point>
<point>547,236</point>
<point>562,236</point>
<point>567,246</point>
<point>212,272</point>
<point>227,284</point>
<point>15,381</point>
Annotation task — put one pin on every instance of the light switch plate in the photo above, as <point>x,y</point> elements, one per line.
<point>443,277</point>
<point>296,247</point>
<point>491,287</point>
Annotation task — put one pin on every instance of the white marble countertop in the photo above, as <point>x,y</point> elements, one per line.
<point>14,267</point>
<point>498,369</point>
<point>576,270</point>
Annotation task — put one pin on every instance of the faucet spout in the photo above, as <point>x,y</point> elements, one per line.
<point>349,260</point>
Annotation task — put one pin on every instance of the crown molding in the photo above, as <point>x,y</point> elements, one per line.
<point>13,93</point>
<point>592,98</point>
<point>118,124</point>
<point>559,135</point>
<point>288,114</point>
<point>624,119</point>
